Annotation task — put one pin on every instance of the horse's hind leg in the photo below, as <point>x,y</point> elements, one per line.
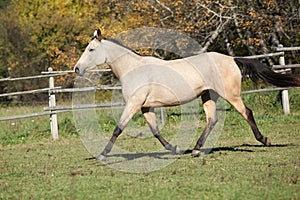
<point>150,116</point>
<point>209,99</point>
<point>248,115</point>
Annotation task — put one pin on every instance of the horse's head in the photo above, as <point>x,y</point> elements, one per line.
<point>93,55</point>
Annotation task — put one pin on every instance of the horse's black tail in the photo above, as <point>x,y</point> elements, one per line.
<point>257,70</point>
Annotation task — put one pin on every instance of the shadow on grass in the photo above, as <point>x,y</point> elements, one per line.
<point>272,145</point>
<point>240,148</point>
<point>132,156</point>
<point>168,155</point>
<point>217,149</point>
<point>115,159</point>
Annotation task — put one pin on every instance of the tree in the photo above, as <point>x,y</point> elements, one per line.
<point>37,34</point>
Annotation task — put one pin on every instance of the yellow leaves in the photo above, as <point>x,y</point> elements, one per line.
<point>252,13</point>
<point>247,24</point>
<point>53,51</point>
<point>58,30</point>
<point>252,42</point>
<point>178,3</point>
<point>189,27</point>
<point>13,63</point>
<point>84,38</point>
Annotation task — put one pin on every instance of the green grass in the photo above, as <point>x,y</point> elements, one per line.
<point>35,167</point>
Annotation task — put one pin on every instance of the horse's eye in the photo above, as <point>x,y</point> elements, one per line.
<point>91,49</point>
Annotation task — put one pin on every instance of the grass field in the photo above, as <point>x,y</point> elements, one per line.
<point>35,167</point>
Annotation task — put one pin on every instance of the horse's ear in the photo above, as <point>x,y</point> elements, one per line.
<point>98,35</point>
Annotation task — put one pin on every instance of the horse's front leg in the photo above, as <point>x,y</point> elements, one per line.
<point>110,144</point>
<point>150,117</point>
<point>129,111</point>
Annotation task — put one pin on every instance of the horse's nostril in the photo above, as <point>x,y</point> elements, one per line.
<point>76,70</point>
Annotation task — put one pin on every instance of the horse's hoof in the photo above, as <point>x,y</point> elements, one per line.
<point>101,157</point>
<point>176,150</point>
<point>267,142</point>
<point>198,153</point>
<point>195,153</point>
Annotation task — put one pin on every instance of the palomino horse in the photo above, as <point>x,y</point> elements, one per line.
<point>149,82</point>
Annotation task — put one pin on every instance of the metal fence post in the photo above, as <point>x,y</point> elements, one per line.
<point>52,103</point>
<point>284,93</point>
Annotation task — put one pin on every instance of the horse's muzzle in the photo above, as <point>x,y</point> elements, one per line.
<point>77,71</point>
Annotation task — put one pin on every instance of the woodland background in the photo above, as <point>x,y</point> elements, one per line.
<point>37,34</point>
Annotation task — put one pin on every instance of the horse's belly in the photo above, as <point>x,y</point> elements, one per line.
<point>154,86</point>
<point>164,96</point>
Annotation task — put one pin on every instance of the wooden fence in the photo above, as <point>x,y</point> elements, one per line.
<point>53,109</point>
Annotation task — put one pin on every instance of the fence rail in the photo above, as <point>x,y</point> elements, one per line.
<point>85,89</point>
<point>71,71</point>
<point>285,66</point>
<point>85,106</point>
<point>29,92</point>
<point>31,115</point>
<point>264,55</point>
<point>52,110</point>
<point>31,77</point>
<point>281,48</point>
<point>269,90</point>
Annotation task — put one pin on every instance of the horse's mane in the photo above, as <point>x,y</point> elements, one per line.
<point>115,41</point>
<point>121,44</point>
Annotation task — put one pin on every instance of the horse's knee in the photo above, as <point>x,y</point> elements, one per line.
<point>117,131</point>
<point>214,121</point>
<point>211,122</point>
<point>156,134</point>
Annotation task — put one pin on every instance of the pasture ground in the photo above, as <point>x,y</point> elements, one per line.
<point>35,167</point>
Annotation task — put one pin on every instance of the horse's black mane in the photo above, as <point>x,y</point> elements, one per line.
<point>121,44</point>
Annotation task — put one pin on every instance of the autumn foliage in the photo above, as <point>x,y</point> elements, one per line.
<point>37,34</point>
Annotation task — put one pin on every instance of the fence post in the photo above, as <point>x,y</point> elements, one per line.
<point>52,103</point>
<point>284,93</point>
<point>162,115</point>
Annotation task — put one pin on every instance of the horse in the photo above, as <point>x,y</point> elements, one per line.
<point>149,82</point>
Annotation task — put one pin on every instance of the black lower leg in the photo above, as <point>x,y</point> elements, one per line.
<point>112,140</point>
<point>259,137</point>
<point>205,134</point>
<point>162,140</point>
<point>201,140</point>
<point>151,119</point>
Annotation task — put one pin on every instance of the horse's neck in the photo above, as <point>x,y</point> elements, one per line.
<point>121,59</point>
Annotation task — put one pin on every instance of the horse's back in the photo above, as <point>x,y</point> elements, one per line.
<point>206,71</point>
<point>219,72</point>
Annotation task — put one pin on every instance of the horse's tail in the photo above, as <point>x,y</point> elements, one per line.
<point>257,70</point>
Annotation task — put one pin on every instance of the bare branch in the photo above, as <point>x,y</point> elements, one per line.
<point>238,30</point>
<point>226,7</point>
<point>264,48</point>
<point>164,6</point>
<point>214,36</point>
<point>213,12</point>
<point>154,8</point>
<point>228,45</point>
